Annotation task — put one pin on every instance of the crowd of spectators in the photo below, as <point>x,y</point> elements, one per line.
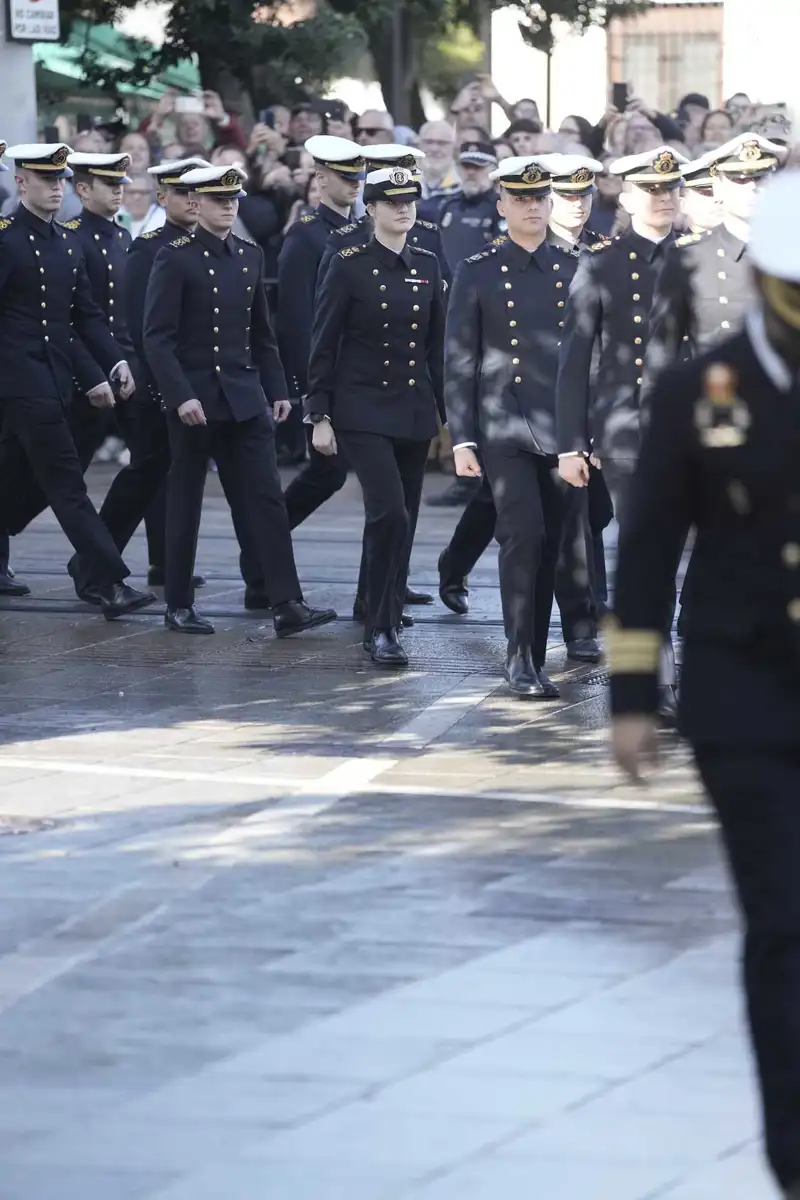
<point>282,184</point>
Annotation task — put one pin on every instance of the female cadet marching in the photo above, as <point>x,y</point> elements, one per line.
<point>375,382</point>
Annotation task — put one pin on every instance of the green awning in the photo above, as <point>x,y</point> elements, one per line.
<point>114,51</point>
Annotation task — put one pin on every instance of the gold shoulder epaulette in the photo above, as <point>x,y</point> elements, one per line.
<point>500,239</point>
<point>603,244</point>
<point>75,224</point>
<point>308,217</point>
<point>481,255</point>
<point>350,250</point>
<point>237,237</point>
<point>421,250</point>
<point>5,222</point>
<point>689,239</point>
<point>151,234</point>
<point>351,228</point>
<point>426,224</point>
<point>182,241</point>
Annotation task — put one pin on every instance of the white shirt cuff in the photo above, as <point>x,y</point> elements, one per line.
<point>466,446</point>
<point>574,454</point>
<point>123,362</point>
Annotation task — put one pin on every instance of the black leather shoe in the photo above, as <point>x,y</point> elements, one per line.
<point>385,649</point>
<point>413,597</point>
<point>155,578</point>
<point>407,619</point>
<point>117,600</point>
<point>187,620</point>
<point>549,689</point>
<point>453,590</point>
<point>295,616</point>
<point>359,610</point>
<point>84,591</point>
<point>521,677</point>
<point>585,650</point>
<point>10,586</point>
<point>460,492</point>
<point>256,600</point>
<point>667,711</point>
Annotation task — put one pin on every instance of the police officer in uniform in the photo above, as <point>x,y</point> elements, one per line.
<point>720,454</point>
<point>504,325</point>
<point>602,354</point>
<point>706,284</point>
<point>700,205</point>
<point>210,346</point>
<point>50,331</point>
<point>375,385</point>
<point>469,219</point>
<point>9,584</point>
<point>340,172</point>
<point>119,270</point>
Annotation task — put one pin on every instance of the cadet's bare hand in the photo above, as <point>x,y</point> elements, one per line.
<point>191,413</point>
<point>101,396</point>
<point>323,438</point>
<point>574,469</point>
<point>634,743</point>
<point>127,384</point>
<point>281,410</point>
<point>466,461</point>
<point>596,462</point>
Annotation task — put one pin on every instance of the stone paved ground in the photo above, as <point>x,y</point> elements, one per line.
<point>274,926</point>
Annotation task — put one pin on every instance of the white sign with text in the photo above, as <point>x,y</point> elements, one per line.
<point>34,20</point>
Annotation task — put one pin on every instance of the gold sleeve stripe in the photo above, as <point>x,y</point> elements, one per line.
<point>633,651</point>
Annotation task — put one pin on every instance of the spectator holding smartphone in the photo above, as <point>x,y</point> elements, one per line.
<point>199,120</point>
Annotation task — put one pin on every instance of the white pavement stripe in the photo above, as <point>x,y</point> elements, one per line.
<point>75,767</point>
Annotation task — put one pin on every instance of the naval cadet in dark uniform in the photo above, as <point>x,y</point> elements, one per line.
<point>602,354</point>
<point>340,172</point>
<point>504,325</point>
<point>700,205</point>
<point>573,174</point>
<point>119,270</point>
<point>9,584</point>
<point>469,220</point>
<point>720,454</point>
<point>375,385</point>
<point>209,344</point>
<point>50,332</point>
<point>706,284</point>
<point>320,479</point>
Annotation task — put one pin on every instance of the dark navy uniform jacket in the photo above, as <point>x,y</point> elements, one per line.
<point>468,223</point>
<point>587,238</point>
<point>105,249</point>
<point>602,352</point>
<point>51,330</point>
<point>207,333</point>
<point>141,256</point>
<point>298,264</point>
<point>424,234</point>
<point>377,343</point>
<point>505,322</point>
<point>720,453</point>
<point>701,297</point>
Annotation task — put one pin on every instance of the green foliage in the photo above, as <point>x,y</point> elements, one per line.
<point>536,25</point>
<point>445,61</point>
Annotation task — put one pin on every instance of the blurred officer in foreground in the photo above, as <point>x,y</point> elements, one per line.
<point>375,385</point>
<point>138,490</point>
<point>706,284</point>
<point>9,584</point>
<point>504,327</point>
<point>51,331</point>
<point>720,453</point>
<point>700,205</point>
<point>602,352</point>
<point>210,346</point>
<point>469,219</point>
<point>340,171</point>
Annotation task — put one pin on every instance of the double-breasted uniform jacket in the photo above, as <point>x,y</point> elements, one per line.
<point>602,352</point>
<point>207,332</point>
<point>720,453</point>
<point>298,265</point>
<point>424,235</point>
<point>142,255</point>
<point>377,345</point>
<point>505,321</point>
<point>51,330</point>
<point>105,248</point>
<point>701,297</point>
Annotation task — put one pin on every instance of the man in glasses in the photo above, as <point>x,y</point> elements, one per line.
<point>374,127</point>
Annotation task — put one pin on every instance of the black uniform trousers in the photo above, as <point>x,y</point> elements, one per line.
<point>244,452</point>
<point>391,472</point>
<point>531,502</point>
<point>37,441</point>
<point>755,792</point>
<point>580,568</point>
<point>89,427</point>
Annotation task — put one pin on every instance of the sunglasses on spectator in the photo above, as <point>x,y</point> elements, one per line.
<point>372,130</point>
